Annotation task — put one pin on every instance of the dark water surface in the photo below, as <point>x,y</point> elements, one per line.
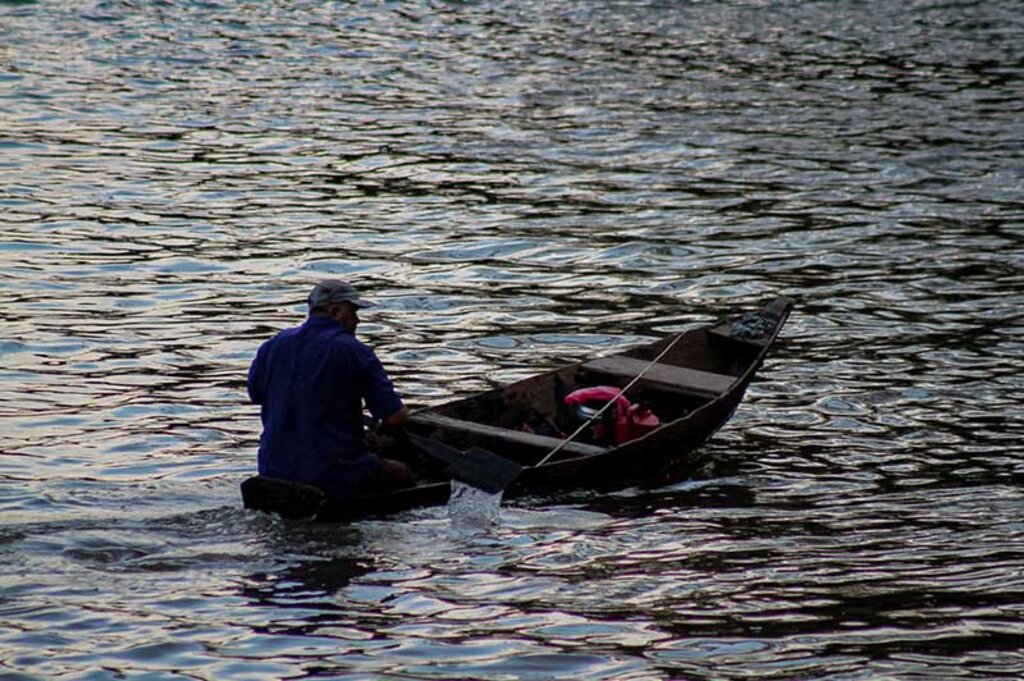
<point>519,185</point>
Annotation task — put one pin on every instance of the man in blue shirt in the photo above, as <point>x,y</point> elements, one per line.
<point>311,382</point>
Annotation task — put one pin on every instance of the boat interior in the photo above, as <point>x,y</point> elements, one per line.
<point>527,419</point>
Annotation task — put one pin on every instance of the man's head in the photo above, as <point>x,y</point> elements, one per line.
<point>338,300</point>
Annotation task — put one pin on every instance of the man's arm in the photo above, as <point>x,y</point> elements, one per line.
<point>383,402</point>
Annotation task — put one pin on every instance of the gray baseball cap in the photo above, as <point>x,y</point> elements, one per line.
<point>334,291</point>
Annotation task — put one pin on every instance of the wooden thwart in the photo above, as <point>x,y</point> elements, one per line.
<point>694,381</point>
<point>506,434</point>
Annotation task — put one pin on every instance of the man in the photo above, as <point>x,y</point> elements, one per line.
<point>311,382</point>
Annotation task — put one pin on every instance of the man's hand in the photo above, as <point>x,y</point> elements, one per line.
<point>378,437</point>
<point>396,419</point>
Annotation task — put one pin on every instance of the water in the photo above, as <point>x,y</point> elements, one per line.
<point>474,508</point>
<point>519,185</point>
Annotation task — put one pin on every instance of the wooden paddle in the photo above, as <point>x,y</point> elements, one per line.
<point>476,467</point>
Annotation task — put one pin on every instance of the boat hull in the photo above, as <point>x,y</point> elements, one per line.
<point>697,379</point>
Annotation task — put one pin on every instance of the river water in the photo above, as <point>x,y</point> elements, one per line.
<point>518,185</point>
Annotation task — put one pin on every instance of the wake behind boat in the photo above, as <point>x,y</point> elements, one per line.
<point>569,428</point>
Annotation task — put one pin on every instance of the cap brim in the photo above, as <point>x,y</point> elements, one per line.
<point>362,302</point>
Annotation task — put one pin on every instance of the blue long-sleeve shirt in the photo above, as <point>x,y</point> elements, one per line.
<point>311,382</point>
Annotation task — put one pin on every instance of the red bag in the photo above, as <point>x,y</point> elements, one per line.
<point>630,420</point>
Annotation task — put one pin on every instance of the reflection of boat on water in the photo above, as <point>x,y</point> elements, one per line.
<point>689,386</point>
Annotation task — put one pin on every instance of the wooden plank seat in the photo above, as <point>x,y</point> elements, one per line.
<point>666,376</point>
<point>432,419</point>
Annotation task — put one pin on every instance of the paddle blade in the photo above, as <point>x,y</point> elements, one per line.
<point>487,471</point>
<point>476,466</point>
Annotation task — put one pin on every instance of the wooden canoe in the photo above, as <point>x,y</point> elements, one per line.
<point>693,389</point>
